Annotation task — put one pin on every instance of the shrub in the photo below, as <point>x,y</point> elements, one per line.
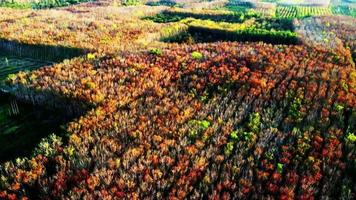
<point>155,51</point>
<point>280,168</point>
<point>47,146</point>
<point>351,138</point>
<point>197,127</point>
<point>40,4</point>
<point>229,148</point>
<point>90,56</point>
<point>131,2</point>
<point>254,123</point>
<point>196,55</point>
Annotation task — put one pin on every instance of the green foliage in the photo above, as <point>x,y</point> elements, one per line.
<point>47,146</point>
<point>54,3</point>
<point>253,125</point>
<point>204,124</point>
<point>164,18</point>
<point>254,122</point>
<point>240,135</point>
<point>210,25</point>
<point>238,8</point>
<point>69,151</point>
<point>197,127</point>
<point>229,148</point>
<point>344,10</point>
<point>90,85</point>
<point>10,78</point>
<point>201,124</point>
<point>294,110</point>
<point>131,2</point>
<point>234,135</point>
<point>269,155</point>
<point>40,4</point>
<point>217,16</point>
<point>204,97</point>
<point>207,31</point>
<point>164,3</point>
<point>351,138</point>
<point>155,51</point>
<point>176,33</point>
<point>197,55</point>
<point>247,136</point>
<point>271,1</point>
<point>90,56</point>
<point>14,4</point>
<point>213,24</point>
<point>301,11</point>
<point>193,134</point>
<point>344,86</point>
<point>339,108</point>
<point>346,192</point>
<point>280,168</point>
<point>296,131</point>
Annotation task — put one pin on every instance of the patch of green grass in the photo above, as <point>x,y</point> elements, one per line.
<point>16,5</point>
<point>197,55</point>
<point>164,18</point>
<point>40,4</point>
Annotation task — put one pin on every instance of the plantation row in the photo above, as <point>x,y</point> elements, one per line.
<point>301,11</point>
<point>176,14</point>
<point>344,10</point>
<point>218,121</point>
<point>270,9</point>
<point>208,31</point>
<point>210,26</point>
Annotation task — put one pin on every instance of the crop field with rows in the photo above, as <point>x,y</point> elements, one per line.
<point>294,8</point>
<point>344,10</point>
<point>183,99</point>
<point>301,11</point>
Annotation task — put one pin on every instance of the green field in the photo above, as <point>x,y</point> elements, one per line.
<point>278,8</point>
<point>301,11</point>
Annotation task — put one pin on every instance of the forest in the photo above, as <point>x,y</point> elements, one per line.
<point>177,99</point>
